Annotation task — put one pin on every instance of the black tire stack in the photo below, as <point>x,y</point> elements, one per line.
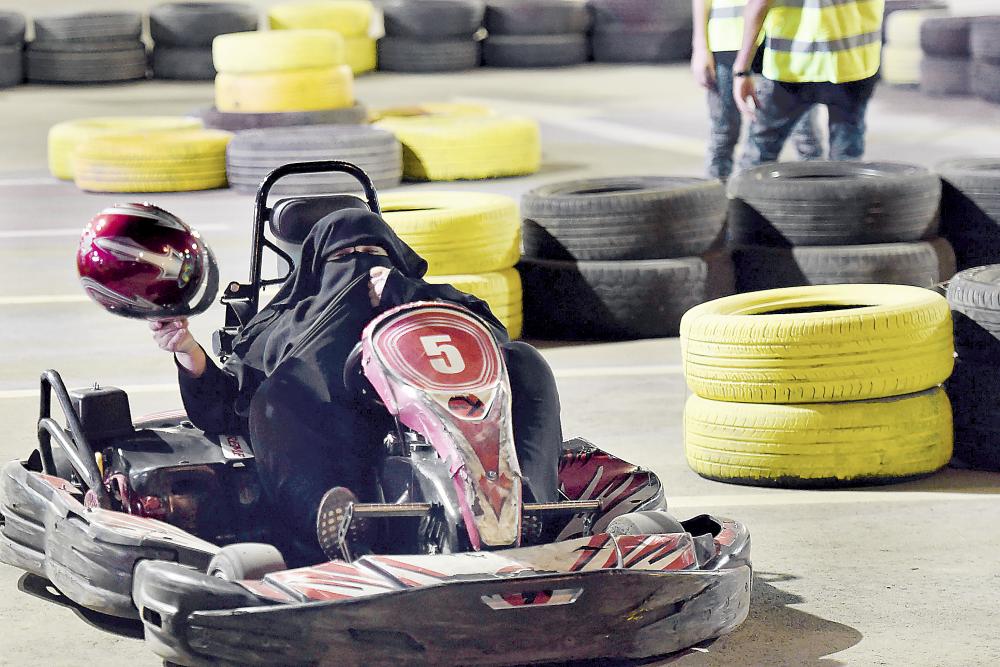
<point>11,49</point>
<point>430,35</point>
<point>984,42</point>
<point>535,33</point>
<point>640,31</point>
<point>946,67</point>
<point>182,35</point>
<point>620,258</point>
<point>87,47</point>
<point>823,223</point>
<point>974,386</point>
<point>970,209</point>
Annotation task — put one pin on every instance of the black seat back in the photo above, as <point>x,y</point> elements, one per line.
<point>292,218</point>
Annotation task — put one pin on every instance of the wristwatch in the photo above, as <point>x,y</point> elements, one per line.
<point>745,72</point>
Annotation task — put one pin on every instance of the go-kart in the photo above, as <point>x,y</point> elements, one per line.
<point>158,520</point>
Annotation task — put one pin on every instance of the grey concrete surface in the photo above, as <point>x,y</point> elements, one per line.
<point>904,575</point>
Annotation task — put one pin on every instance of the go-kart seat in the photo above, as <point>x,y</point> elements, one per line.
<point>292,218</point>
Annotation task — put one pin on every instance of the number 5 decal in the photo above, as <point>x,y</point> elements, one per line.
<point>437,347</point>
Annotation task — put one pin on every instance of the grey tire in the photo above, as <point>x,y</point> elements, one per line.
<point>984,38</point>
<point>940,76</point>
<point>920,263</point>
<point>535,50</point>
<point>974,297</point>
<point>12,27</point>
<point>11,66</point>
<point>641,44</point>
<point>985,81</point>
<point>946,36</point>
<point>639,12</point>
<point>248,560</point>
<point>833,203</point>
<point>236,122</point>
<point>196,24</point>
<point>535,17</point>
<point>970,209</point>
<point>184,64</point>
<point>618,300</point>
<point>397,54</point>
<point>641,217</point>
<point>975,403</point>
<point>650,522</point>
<point>51,66</point>
<point>436,19</point>
<point>88,27</point>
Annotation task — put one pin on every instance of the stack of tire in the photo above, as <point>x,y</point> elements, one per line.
<point>281,71</point>
<point>11,49</point>
<point>351,19</point>
<point>535,33</point>
<point>984,37</point>
<point>901,55</point>
<point>430,35</point>
<point>974,296</point>
<point>621,258</point>
<point>818,386</point>
<point>255,153</point>
<point>86,48</point>
<point>640,31</point>
<point>470,241</point>
<point>946,67</point>
<point>823,223</point>
<point>183,32</point>
<point>970,209</point>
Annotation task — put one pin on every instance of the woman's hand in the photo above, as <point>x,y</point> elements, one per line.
<point>173,336</point>
<point>376,284</point>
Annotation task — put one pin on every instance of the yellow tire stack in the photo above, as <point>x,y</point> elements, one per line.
<point>818,386</point>
<point>470,241</point>
<point>901,54</point>
<point>285,70</point>
<point>349,18</point>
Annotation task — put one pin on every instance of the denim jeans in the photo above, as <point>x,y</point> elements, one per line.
<point>783,104</point>
<point>727,122</point>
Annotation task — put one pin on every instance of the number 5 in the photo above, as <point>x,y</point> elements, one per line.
<point>439,346</point>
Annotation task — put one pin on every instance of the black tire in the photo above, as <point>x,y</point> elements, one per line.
<point>11,66</point>
<point>970,209</point>
<point>248,560</point>
<point>253,154</point>
<point>975,402</point>
<point>985,80</point>
<point>196,24</point>
<point>618,300</point>
<point>237,122</point>
<point>52,66</point>
<point>974,297</point>
<point>183,64</point>
<point>396,54</point>
<point>945,76</point>
<point>642,217</point>
<point>833,203</point>
<point>984,38</point>
<point>535,17</point>
<point>89,27</point>
<point>637,13</point>
<point>946,36</point>
<point>641,44</point>
<point>436,19</point>
<point>921,264</point>
<point>12,27</point>
<point>535,50</point>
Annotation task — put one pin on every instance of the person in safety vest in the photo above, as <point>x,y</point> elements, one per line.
<point>815,52</point>
<point>718,34</point>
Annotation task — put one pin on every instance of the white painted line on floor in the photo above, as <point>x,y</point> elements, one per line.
<point>15,182</point>
<point>76,231</point>
<point>42,299</point>
<point>800,497</point>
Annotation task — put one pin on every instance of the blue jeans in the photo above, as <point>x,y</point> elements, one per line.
<point>783,104</point>
<point>727,122</point>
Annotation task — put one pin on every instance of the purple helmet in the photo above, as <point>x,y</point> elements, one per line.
<point>138,260</point>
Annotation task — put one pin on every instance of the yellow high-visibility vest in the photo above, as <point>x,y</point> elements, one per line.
<point>823,40</point>
<point>725,25</point>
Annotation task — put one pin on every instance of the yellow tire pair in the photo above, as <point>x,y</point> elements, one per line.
<point>175,161</point>
<point>314,89</point>
<point>64,138</point>
<point>351,19</point>
<point>500,289</point>
<point>277,51</point>
<point>448,148</point>
<point>792,383</point>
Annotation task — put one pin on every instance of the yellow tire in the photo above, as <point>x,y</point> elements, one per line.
<point>277,51</point>
<point>431,109</point>
<point>65,137</point>
<point>820,444</point>
<point>291,90</point>
<point>901,65</point>
<point>500,289</point>
<point>466,147</point>
<point>817,344</point>
<point>902,27</point>
<point>361,56</point>
<point>457,232</point>
<point>350,18</point>
<point>153,161</point>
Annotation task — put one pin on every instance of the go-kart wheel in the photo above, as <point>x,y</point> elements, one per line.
<point>652,522</point>
<point>249,560</point>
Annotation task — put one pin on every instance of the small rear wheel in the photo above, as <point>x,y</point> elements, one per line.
<point>652,522</point>
<point>249,560</point>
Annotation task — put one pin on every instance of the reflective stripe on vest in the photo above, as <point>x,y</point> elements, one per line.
<point>823,40</point>
<point>725,25</point>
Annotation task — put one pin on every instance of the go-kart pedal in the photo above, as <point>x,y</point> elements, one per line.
<point>340,533</point>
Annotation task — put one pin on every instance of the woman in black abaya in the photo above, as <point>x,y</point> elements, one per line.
<point>283,385</point>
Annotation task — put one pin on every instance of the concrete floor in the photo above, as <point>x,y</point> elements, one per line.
<point>903,575</point>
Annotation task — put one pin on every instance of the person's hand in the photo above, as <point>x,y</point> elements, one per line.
<point>376,284</point>
<point>703,68</point>
<point>173,336</point>
<point>745,95</point>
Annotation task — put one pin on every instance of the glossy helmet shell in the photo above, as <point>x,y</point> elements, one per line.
<point>138,260</point>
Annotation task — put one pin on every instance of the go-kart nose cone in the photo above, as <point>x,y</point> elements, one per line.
<point>140,261</point>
